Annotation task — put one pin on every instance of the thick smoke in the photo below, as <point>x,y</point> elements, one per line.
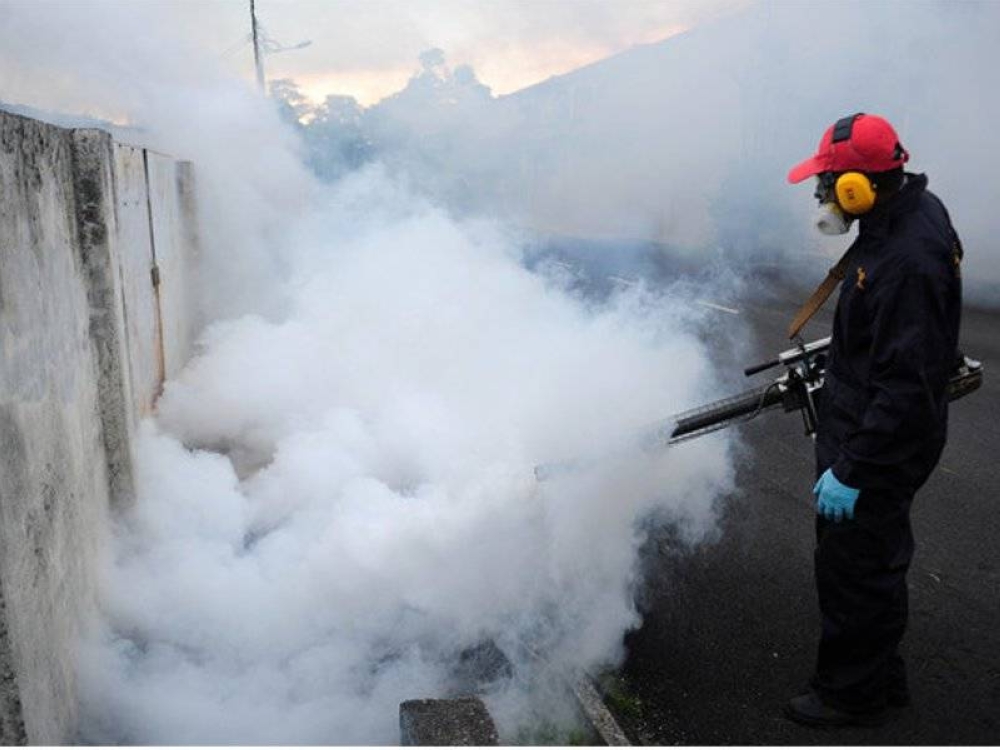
<point>336,499</point>
<point>375,513</point>
<point>687,142</point>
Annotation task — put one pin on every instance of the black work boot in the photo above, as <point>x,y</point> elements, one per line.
<point>809,709</point>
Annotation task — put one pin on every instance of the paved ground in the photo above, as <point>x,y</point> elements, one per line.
<point>730,630</point>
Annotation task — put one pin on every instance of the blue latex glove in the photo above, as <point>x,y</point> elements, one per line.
<point>834,500</point>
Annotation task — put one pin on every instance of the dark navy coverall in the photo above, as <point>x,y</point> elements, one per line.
<point>883,415</point>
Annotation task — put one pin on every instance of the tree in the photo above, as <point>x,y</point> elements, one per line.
<point>293,106</point>
<point>336,138</point>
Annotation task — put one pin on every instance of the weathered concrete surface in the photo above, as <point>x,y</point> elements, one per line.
<point>11,719</point>
<point>456,721</point>
<point>98,248</point>
<point>142,330</point>
<point>53,481</point>
<point>157,247</point>
<point>80,363</point>
<point>170,187</point>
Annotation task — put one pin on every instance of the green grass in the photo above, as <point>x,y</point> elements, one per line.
<point>547,733</point>
<point>618,697</point>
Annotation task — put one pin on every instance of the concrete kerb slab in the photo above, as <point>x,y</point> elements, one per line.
<point>591,704</point>
<point>598,715</point>
<point>465,719</point>
<point>455,721</point>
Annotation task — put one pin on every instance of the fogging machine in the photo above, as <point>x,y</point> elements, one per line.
<point>794,390</point>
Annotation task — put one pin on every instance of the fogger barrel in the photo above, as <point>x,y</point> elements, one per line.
<point>795,390</point>
<point>968,377</point>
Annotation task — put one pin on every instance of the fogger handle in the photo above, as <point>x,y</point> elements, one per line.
<point>760,368</point>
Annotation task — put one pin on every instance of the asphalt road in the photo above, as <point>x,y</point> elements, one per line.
<point>730,628</point>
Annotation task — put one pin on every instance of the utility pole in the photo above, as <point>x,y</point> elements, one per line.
<point>258,60</point>
<point>263,44</point>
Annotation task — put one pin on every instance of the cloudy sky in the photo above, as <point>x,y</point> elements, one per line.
<point>369,48</point>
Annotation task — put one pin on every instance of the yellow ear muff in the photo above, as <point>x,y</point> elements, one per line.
<point>855,193</point>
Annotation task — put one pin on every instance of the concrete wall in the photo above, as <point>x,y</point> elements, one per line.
<point>141,327</point>
<point>82,358</point>
<point>171,191</point>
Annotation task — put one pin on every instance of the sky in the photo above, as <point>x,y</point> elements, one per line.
<point>369,48</point>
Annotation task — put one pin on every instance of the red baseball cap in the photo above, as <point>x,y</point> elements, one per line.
<point>865,143</point>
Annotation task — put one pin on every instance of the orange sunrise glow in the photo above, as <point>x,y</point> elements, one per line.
<point>504,70</point>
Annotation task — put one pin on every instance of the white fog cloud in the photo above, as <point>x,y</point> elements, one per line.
<point>377,512</point>
<point>337,496</point>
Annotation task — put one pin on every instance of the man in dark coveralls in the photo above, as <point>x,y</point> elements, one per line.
<point>883,411</point>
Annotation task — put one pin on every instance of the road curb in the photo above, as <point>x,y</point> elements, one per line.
<point>600,718</point>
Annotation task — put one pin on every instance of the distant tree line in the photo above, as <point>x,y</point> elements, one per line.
<point>421,130</point>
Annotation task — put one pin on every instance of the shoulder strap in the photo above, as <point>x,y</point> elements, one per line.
<point>957,246</point>
<point>833,277</point>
